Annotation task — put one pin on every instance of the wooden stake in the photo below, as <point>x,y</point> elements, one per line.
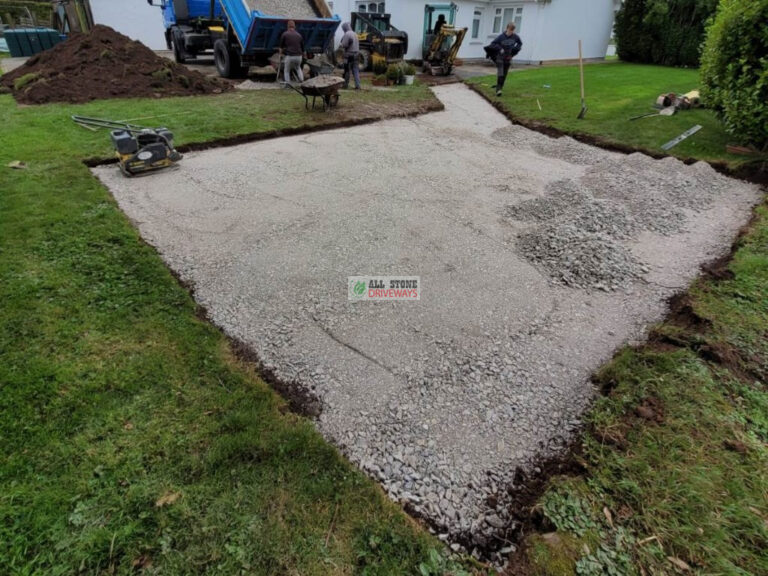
<point>581,75</point>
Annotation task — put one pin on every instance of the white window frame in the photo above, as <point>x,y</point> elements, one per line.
<point>365,6</point>
<point>497,14</point>
<point>477,16</point>
<point>500,18</point>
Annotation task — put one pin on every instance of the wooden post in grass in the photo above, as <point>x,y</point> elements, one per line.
<point>581,75</point>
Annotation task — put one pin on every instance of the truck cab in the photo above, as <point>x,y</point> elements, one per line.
<point>191,26</point>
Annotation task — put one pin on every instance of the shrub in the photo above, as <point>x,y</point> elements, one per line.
<point>409,69</point>
<point>734,69</point>
<point>394,72</point>
<point>667,32</point>
<point>379,65</point>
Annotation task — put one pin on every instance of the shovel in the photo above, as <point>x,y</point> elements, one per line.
<point>583,112</point>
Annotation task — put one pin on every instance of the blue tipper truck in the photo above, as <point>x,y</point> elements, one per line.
<point>240,35</point>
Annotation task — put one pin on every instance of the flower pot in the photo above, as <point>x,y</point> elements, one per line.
<point>408,79</point>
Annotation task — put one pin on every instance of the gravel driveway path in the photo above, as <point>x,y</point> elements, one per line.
<point>537,258</point>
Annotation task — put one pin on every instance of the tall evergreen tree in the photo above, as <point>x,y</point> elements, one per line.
<point>668,32</point>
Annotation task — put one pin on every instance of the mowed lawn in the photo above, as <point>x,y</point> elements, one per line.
<point>615,92</point>
<point>131,438</point>
<point>674,456</point>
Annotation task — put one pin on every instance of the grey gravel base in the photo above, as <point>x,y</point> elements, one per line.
<point>538,258</point>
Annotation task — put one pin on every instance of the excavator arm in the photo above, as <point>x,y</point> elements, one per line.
<point>443,50</point>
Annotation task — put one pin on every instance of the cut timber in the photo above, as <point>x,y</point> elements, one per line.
<point>288,8</point>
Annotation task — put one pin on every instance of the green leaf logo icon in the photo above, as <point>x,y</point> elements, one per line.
<point>359,288</point>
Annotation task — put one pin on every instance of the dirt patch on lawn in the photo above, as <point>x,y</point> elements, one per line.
<point>100,65</point>
<point>345,116</point>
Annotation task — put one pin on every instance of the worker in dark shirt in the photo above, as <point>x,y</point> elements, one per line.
<point>439,24</point>
<point>351,46</point>
<point>291,49</point>
<point>508,44</point>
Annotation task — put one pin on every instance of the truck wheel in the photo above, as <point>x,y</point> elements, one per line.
<point>364,58</point>
<point>177,42</point>
<point>178,52</point>
<point>227,61</point>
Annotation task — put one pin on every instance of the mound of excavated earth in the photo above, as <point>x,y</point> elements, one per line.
<point>103,64</point>
<point>537,259</point>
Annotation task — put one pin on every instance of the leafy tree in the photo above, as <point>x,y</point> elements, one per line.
<point>734,69</point>
<point>667,32</point>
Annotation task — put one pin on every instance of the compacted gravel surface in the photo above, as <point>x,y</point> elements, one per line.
<point>537,259</point>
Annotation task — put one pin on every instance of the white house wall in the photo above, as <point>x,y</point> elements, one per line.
<point>134,18</point>
<point>550,29</point>
<point>561,23</point>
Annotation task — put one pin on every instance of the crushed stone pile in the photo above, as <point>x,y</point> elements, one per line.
<point>577,236</point>
<point>580,226</point>
<point>578,258</point>
<point>563,197</point>
<point>103,64</point>
<point>565,148</point>
<point>285,8</point>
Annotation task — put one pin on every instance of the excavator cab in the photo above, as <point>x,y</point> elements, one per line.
<point>442,39</point>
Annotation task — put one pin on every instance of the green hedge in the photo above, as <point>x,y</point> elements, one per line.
<point>734,69</point>
<point>667,32</point>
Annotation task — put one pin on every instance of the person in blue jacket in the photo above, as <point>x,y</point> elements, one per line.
<point>508,44</point>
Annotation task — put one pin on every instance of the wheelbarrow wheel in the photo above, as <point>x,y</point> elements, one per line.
<point>333,100</point>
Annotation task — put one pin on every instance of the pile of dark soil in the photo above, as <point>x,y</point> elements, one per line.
<point>103,64</point>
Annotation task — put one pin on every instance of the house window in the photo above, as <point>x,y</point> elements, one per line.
<point>502,17</point>
<point>497,21</point>
<point>476,23</point>
<point>371,7</point>
<point>514,15</point>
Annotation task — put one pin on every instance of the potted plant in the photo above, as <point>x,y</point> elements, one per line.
<point>394,72</point>
<point>409,73</point>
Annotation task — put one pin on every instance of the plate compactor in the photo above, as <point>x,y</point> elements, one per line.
<point>138,149</point>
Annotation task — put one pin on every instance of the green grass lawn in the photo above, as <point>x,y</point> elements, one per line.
<point>676,452</point>
<point>130,436</point>
<point>615,93</point>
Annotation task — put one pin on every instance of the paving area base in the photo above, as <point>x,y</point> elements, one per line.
<point>537,258</point>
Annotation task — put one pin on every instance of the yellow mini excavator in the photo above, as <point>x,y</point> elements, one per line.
<point>440,55</point>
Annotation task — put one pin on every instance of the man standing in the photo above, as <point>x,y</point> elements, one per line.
<point>509,44</point>
<point>351,46</point>
<point>292,46</point>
